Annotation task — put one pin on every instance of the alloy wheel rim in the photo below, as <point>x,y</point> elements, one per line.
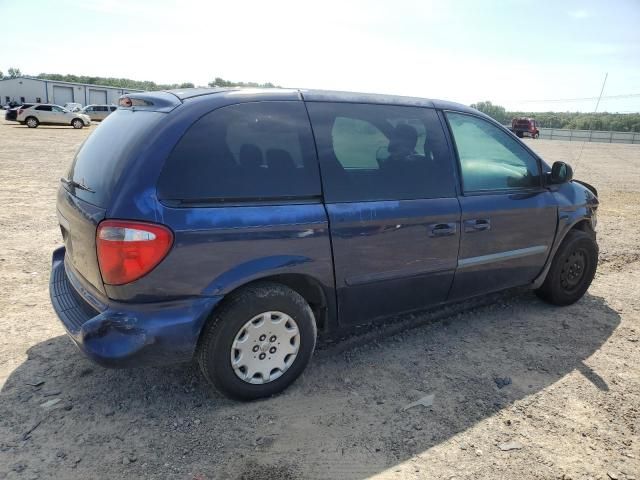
<point>265,347</point>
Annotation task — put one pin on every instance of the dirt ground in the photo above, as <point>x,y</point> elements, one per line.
<point>521,389</point>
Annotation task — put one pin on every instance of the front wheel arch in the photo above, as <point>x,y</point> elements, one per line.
<point>562,285</point>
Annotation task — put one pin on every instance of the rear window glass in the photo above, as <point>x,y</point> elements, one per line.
<point>101,158</point>
<point>248,151</point>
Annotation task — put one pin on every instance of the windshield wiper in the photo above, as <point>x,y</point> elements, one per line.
<point>74,184</point>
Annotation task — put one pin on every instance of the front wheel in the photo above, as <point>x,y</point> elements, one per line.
<point>258,342</point>
<point>77,123</point>
<point>572,269</point>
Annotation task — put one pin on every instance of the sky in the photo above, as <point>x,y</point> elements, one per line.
<point>533,56</point>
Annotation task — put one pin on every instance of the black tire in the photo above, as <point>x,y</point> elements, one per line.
<point>77,123</point>
<point>31,122</point>
<point>536,135</point>
<point>572,269</point>
<point>216,341</point>
<point>519,134</point>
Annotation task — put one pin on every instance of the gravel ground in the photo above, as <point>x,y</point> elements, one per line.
<point>520,389</point>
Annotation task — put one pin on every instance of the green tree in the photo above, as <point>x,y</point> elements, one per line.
<point>14,72</point>
<point>221,82</point>
<point>496,112</point>
<point>619,122</point>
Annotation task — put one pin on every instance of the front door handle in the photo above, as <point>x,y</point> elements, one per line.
<point>477,225</point>
<point>442,229</point>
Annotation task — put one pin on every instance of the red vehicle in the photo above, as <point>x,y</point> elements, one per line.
<point>525,127</point>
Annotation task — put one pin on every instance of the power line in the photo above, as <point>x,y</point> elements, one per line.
<point>606,75</point>
<point>626,95</point>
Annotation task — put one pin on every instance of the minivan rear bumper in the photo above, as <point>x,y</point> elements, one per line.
<point>128,335</point>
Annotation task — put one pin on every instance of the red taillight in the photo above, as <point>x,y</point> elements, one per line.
<point>128,250</point>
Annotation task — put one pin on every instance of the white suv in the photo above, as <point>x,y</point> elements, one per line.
<point>98,112</point>
<point>52,115</point>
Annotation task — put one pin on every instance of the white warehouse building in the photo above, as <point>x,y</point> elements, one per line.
<point>35,90</point>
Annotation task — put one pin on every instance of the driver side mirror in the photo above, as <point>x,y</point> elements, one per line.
<point>561,173</point>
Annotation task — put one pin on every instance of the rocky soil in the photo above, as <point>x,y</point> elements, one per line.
<point>514,388</point>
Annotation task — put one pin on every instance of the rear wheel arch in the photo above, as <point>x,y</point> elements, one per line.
<point>263,298</point>
<point>31,120</point>
<point>306,286</point>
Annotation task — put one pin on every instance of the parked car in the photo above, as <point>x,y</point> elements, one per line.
<point>52,115</point>
<point>232,226</point>
<point>73,106</point>
<point>525,127</point>
<point>12,113</point>
<point>98,112</point>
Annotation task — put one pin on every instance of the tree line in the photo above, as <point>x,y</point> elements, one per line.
<point>617,122</point>
<point>132,84</point>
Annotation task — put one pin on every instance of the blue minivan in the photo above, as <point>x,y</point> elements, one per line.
<point>234,225</point>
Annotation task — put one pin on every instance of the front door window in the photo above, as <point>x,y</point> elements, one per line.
<point>491,159</point>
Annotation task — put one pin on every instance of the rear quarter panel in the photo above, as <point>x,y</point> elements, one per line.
<point>217,248</point>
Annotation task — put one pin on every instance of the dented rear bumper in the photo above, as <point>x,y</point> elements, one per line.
<point>116,334</point>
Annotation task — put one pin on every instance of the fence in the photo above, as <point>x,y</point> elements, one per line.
<point>589,135</point>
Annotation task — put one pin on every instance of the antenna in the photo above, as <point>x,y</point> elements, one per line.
<point>591,124</point>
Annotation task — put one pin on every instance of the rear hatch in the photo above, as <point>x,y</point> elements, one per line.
<point>85,191</point>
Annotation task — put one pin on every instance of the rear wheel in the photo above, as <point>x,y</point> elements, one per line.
<point>519,134</point>
<point>32,122</point>
<point>258,342</point>
<point>77,123</point>
<point>572,269</point>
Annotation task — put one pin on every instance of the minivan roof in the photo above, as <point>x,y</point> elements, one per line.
<point>322,95</point>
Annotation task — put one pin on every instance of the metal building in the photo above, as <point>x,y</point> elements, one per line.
<point>36,90</point>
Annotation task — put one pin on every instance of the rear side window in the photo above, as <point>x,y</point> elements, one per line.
<point>44,108</point>
<point>381,152</point>
<point>491,159</point>
<point>248,151</point>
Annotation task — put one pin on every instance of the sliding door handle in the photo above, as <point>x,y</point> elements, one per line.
<point>477,225</point>
<point>442,229</point>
